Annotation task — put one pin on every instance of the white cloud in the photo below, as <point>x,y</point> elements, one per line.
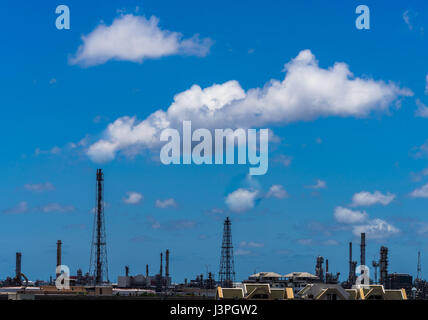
<point>54,207</point>
<point>320,184</point>
<point>376,229</point>
<point>135,38</point>
<point>39,187</point>
<point>426,84</point>
<point>20,208</point>
<point>242,252</point>
<point>365,198</point>
<point>133,197</point>
<point>406,18</point>
<point>348,216</point>
<point>277,191</point>
<point>241,200</point>
<point>306,93</point>
<point>422,110</point>
<point>422,192</point>
<point>165,203</point>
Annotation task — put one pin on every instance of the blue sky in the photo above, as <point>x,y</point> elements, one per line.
<point>57,104</point>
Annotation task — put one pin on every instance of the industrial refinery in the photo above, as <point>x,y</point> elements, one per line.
<point>323,284</point>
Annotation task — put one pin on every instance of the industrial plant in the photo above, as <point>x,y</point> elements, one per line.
<point>323,284</point>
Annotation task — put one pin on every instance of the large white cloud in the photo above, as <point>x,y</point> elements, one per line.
<point>348,216</point>
<point>135,38</point>
<point>365,198</point>
<point>306,93</point>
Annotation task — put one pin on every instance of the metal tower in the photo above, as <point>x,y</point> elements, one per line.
<point>227,264</point>
<point>98,268</point>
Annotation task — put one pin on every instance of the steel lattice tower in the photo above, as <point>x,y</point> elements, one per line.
<point>227,265</point>
<point>98,268</point>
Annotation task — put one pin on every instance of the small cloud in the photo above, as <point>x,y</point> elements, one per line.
<point>419,175</point>
<point>241,200</point>
<point>277,191</point>
<point>39,187</point>
<point>251,51</point>
<point>171,225</point>
<point>242,252</point>
<point>348,216</point>
<point>284,160</point>
<point>330,242</point>
<point>165,203</point>
<point>318,140</point>
<point>320,184</point>
<point>421,192</point>
<point>22,207</point>
<point>422,110</point>
<point>52,81</point>
<point>133,198</point>
<point>406,18</point>
<point>55,151</point>
<point>54,207</point>
<point>426,84</point>
<point>376,229</point>
<point>365,198</point>
<point>421,151</point>
<point>251,244</point>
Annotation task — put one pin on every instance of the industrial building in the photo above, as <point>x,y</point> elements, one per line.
<point>322,285</point>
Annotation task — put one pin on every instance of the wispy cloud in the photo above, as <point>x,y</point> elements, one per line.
<point>320,184</point>
<point>23,207</point>
<point>166,203</point>
<point>421,192</point>
<point>39,187</point>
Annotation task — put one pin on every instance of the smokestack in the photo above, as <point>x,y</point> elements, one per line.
<point>58,254</point>
<point>147,270</point>
<point>326,265</point>
<point>350,261</point>
<point>160,272</point>
<point>167,263</point>
<point>363,249</point>
<point>127,271</point>
<point>383,265</point>
<point>18,266</point>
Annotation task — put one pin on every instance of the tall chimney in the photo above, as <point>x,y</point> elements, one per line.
<point>160,272</point>
<point>18,266</point>
<point>350,261</point>
<point>326,265</point>
<point>147,270</point>
<point>363,249</point>
<point>167,263</point>
<point>127,271</point>
<point>58,254</point>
